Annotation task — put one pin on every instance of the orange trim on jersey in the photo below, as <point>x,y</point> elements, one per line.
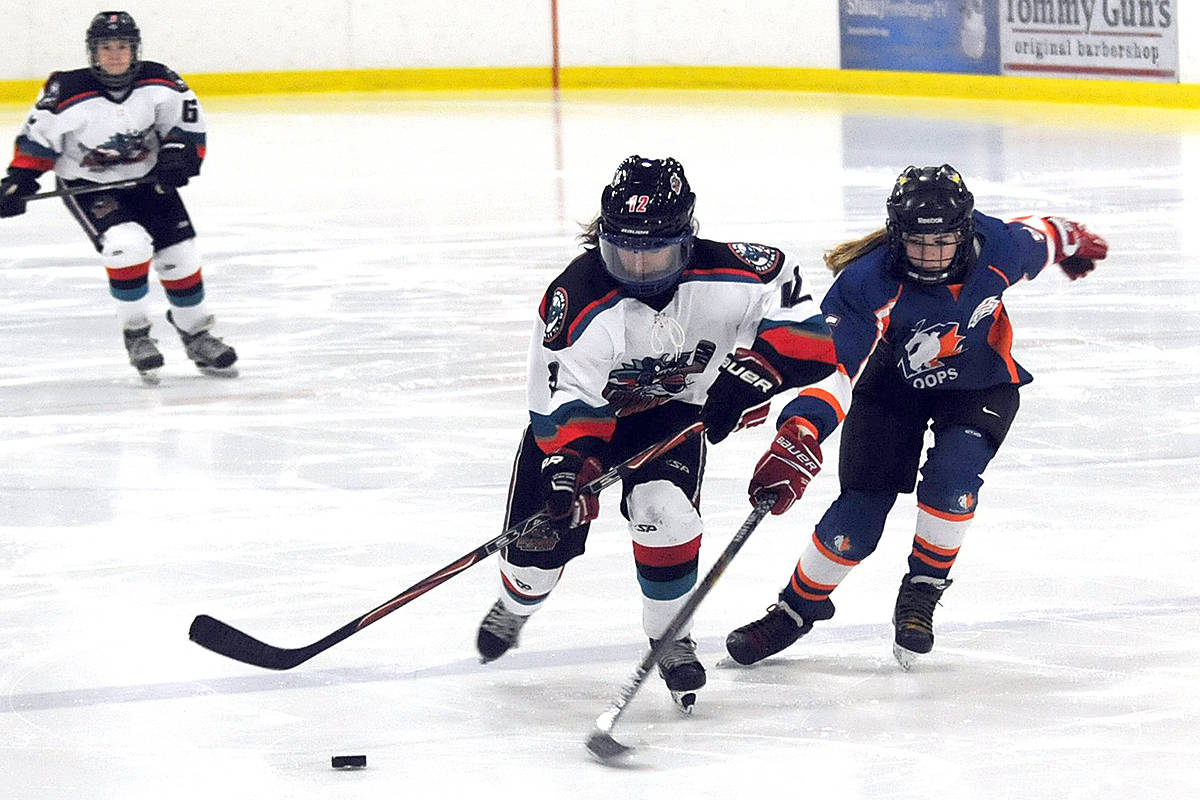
<point>128,273</point>
<point>1000,339</point>
<point>825,397</point>
<point>202,151</point>
<point>946,515</point>
<point>829,554</point>
<point>955,290</point>
<point>1003,277</point>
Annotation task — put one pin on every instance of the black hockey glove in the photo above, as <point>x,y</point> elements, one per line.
<point>16,186</point>
<point>564,472</point>
<point>177,161</point>
<point>740,397</point>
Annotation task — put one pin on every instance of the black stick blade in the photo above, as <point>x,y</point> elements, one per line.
<point>604,747</point>
<point>214,635</point>
<point>600,743</point>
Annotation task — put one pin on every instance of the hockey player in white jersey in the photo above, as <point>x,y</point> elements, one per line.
<point>122,118</point>
<point>648,330</point>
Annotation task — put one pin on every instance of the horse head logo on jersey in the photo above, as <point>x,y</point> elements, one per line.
<point>929,346</point>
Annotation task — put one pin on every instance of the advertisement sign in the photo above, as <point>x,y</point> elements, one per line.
<point>1117,39</point>
<point>921,35</point>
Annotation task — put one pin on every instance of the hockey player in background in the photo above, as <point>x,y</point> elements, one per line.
<point>923,336</point>
<point>119,119</point>
<point>644,333</point>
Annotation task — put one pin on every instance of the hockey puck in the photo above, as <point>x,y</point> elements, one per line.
<point>348,762</point>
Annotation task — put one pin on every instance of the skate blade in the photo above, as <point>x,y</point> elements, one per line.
<point>684,701</point>
<point>150,377</point>
<point>906,657</point>
<point>218,372</point>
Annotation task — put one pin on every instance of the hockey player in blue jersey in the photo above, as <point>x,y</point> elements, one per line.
<point>122,118</point>
<point>648,330</point>
<point>923,338</point>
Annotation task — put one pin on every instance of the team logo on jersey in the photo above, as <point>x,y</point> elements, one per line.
<point>762,258</point>
<point>647,382</point>
<point>927,349</point>
<point>50,96</point>
<point>984,310</point>
<point>967,501</point>
<point>121,148</point>
<point>841,543</point>
<point>832,320</point>
<point>556,313</point>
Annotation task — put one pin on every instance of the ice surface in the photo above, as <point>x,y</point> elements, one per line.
<point>377,261</point>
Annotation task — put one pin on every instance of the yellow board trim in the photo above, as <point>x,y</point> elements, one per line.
<point>786,79</point>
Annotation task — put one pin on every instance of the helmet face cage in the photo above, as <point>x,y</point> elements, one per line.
<point>646,230</point>
<point>929,212</point>
<point>106,26</point>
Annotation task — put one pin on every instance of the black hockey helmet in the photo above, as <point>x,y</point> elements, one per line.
<point>109,25</point>
<point>929,210</point>
<point>646,230</point>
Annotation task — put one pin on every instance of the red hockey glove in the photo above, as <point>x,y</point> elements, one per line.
<point>793,460</point>
<point>740,396</point>
<point>564,472</point>
<point>1077,249</point>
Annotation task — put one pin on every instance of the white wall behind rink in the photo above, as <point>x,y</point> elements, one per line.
<point>284,35</point>
<point>289,35</point>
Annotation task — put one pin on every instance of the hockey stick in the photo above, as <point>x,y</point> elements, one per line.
<point>98,187</point>
<point>222,638</point>
<point>601,743</point>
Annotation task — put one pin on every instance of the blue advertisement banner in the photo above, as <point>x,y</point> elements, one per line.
<point>920,35</point>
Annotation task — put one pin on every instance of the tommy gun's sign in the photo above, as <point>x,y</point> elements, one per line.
<point>1116,39</point>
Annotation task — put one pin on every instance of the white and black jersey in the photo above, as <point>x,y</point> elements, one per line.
<point>599,354</point>
<point>83,130</point>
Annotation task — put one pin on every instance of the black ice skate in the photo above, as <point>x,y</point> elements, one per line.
<point>681,671</point>
<point>913,618</point>
<point>210,355</point>
<point>143,353</point>
<point>498,633</point>
<point>780,628</point>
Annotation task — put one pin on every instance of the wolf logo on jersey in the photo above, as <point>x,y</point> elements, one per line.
<point>648,382</point>
<point>927,347</point>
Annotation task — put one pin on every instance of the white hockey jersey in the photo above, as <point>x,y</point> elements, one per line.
<point>80,131</point>
<point>599,354</point>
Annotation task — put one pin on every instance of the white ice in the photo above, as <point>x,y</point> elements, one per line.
<point>377,261</point>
